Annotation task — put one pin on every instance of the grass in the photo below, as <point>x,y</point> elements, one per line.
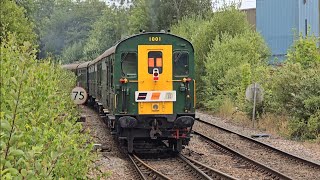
<point>274,124</point>
<point>226,109</point>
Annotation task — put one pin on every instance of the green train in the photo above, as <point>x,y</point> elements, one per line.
<point>144,87</point>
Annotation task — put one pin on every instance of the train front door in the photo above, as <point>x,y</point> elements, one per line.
<point>155,93</point>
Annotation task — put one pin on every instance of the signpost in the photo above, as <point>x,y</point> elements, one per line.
<point>254,93</point>
<point>79,95</point>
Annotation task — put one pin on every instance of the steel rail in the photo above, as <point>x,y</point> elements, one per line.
<point>273,174</point>
<point>212,173</point>
<point>145,171</point>
<point>196,171</point>
<point>267,146</point>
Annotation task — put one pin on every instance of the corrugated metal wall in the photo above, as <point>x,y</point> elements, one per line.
<point>309,16</point>
<point>279,20</point>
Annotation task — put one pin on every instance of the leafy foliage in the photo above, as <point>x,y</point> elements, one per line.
<point>140,18</point>
<point>305,51</point>
<point>39,136</point>
<point>296,91</point>
<point>227,20</point>
<point>62,24</point>
<point>171,11</point>
<point>231,65</point>
<point>14,20</point>
<point>73,53</point>
<point>91,26</point>
<point>106,31</point>
<point>188,26</point>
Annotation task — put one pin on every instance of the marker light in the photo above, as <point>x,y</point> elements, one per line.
<point>123,80</point>
<point>186,79</point>
<point>155,74</point>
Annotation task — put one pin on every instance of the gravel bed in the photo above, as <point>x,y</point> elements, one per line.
<point>309,151</point>
<point>201,151</point>
<point>273,160</point>
<point>109,158</point>
<point>173,168</point>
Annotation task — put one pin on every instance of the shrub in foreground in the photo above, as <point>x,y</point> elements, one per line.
<point>39,136</point>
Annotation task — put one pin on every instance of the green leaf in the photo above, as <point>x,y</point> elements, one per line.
<point>5,125</point>
<point>16,152</point>
<point>54,155</point>
<point>38,166</point>
<point>21,160</point>
<point>13,79</point>
<point>12,171</point>
<point>24,172</point>
<point>8,164</point>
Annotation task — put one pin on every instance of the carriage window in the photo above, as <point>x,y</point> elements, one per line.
<point>181,63</point>
<point>154,61</point>
<point>129,64</point>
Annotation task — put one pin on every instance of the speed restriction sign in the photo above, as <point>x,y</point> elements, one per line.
<point>79,95</point>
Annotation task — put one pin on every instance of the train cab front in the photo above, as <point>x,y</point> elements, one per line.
<point>158,116</point>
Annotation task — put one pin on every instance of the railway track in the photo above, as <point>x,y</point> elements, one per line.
<point>246,161</point>
<point>210,172</point>
<point>285,163</point>
<point>145,171</point>
<point>202,171</point>
<point>194,168</point>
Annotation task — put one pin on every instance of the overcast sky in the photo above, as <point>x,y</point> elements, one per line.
<point>247,4</point>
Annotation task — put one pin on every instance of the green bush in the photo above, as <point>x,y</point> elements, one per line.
<point>204,33</point>
<point>230,56</point>
<point>305,51</point>
<point>314,125</point>
<point>231,65</point>
<point>295,89</point>
<point>188,27</point>
<point>39,136</point>
<point>13,19</point>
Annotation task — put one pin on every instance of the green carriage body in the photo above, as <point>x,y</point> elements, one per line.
<point>113,80</point>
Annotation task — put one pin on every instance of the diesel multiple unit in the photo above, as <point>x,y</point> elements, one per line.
<point>144,86</point>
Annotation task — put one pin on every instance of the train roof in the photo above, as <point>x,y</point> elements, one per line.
<point>112,49</point>
<point>105,54</point>
<point>84,65</point>
<point>70,66</point>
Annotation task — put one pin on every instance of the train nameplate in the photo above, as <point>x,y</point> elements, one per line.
<point>155,96</point>
<point>155,39</point>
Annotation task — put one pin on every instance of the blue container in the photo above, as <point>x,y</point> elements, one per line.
<point>280,21</point>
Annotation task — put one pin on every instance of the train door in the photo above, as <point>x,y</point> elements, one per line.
<point>99,78</point>
<point>91,71</point>
<point>108,82</point>
<point>109,89</point>
<point>155,93</point>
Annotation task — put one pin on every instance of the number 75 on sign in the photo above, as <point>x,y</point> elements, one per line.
<point>79,95</point>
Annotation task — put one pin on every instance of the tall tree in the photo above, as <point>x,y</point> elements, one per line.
<point>171,11</point>
<point>13,20</point>
<point>69,24</point>
<point>140,16</point>
<point>109,28</point>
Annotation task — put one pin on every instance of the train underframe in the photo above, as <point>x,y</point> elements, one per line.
<point>149,133</point>
<point>145,133</point>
